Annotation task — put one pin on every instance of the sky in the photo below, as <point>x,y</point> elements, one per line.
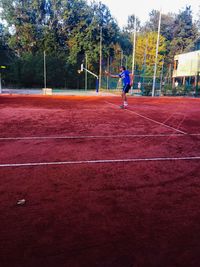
<point>120,10</point>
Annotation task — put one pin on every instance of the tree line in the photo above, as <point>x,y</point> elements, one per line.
<point>70,31</point>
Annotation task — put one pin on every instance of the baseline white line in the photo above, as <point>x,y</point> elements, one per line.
<point>89,136</point>
<point>147,118</point>
<point>96,161</point>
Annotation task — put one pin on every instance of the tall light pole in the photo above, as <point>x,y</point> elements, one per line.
<point>126,62</point>
<point>161,76</point>
<point>86,72</point>
<point>155,66</point>
<point>100,58</point>
<point>133,57</point>
<point>122,56</point>
<point>144,63</point>
<point>108,68</point>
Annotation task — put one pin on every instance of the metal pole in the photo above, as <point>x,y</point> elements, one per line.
<point>161,76</point>
<point>198,72</point>
<point>122,55</point>
<point>0,84</point>
<point>45,76</point>
<point>133,58</point>
<point>91,72</point>
<point>86,72</point>
<point>144,64</point>
<point>100,58</point>
<point>155,66</point>
<point>108,68</point>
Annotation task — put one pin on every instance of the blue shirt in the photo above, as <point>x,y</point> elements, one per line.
<point>124,75</point>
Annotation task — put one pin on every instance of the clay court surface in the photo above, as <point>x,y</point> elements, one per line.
<point>104,187</point>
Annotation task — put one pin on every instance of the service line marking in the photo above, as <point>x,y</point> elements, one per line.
<point>90,136</point>
<point>29,164</point>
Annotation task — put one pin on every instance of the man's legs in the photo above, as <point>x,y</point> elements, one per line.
<point>124,99</point>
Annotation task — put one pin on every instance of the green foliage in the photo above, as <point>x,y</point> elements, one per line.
<point>184,33</point>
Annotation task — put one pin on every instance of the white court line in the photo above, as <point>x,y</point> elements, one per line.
<point>147,118</point>
<point>96,136</point>
<point>95,161</point>
<point>90,136</point>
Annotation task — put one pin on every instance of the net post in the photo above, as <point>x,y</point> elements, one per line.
<point>0,84</point>
<point>97,85</point>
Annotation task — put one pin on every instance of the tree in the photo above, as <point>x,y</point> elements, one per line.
<point>146,50</point>
<point>131,22</point>
<point>166,27</point>
<point>184,33</point>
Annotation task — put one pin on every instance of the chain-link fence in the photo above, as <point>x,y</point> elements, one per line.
<point>143,86</point>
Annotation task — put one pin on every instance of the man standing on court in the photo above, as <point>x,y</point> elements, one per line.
<point>126,77</point>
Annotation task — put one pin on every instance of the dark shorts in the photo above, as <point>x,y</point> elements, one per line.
<point>126,88</point>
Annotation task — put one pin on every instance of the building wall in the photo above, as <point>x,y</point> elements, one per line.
<point>187,65</point>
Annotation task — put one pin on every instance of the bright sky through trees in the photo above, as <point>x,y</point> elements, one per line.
<point>122,9</point>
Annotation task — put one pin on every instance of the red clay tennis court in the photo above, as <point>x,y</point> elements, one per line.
<point>103,187</point>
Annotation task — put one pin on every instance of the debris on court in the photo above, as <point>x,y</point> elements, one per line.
<point>21,202</point>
